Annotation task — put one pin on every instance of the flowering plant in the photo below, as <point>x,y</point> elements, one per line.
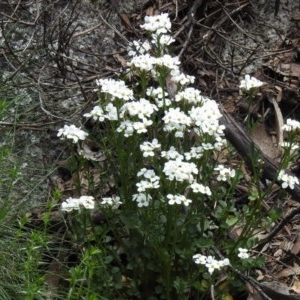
<point>173,201</point>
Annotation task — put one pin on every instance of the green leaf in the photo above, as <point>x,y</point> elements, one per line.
<point>204,242</point>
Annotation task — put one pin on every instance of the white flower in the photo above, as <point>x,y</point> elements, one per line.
<point>174,199</point>
<point>249,83</point>
<point>287,180</point>
<point>162,39</point>
<point>210,262</point>
<point>87,201</point>
<point>186,202</point>
<point>291,125</point>
<point>151,180</point>
<point>142,199</point>
<point>70,204</point>
<point>243,253</point>
<point>143,62</point>
<point>144,185</point>
<point>224,173</point>
<point>171,62</point>
<point>195,152</point>
<point>72,132</point>
<point>172,153</point>
<point>181,78</point>
<point>130,127</point>
<point>148,148</point>
<point>114,202</point>
<point>225,262</point>
<point>115,88</point>
<point>127,127</point>
<point>177,120</point>
<point>178,199</point>
<point>156,92</point>
<point>141,108</point>
<point>74,204</point>
<point>200,188</point>
<point>138,48</point>
<point>97,114</point>
<point>206,117</point>
<point>111,112</point>
<point>190,95</point>
<point>199,259</point>
<point>292,146</point>
<point>207,113</point>
<point>180,171</point>
<point>141,127</point>
<point>207,146</point>
<point>159,96</point>
<point>219,142</point>
<point>157,24</point>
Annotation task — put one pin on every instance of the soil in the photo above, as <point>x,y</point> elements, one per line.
<point>52,52</point>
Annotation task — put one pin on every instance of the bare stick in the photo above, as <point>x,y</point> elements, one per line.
<point>244,145</point>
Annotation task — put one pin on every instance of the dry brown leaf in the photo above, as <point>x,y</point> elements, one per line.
<point>88,153</point>
<point>291,69</point>
<point>125,19</point>
<point>264,141</point>
<point>120,59</point>
<point>296,247</point>
<point>279,120</point>
<point>253,294</point>
<point>296,287</point>
<point>288,272</point>
<point>150,11</point>
<point>278,291</point>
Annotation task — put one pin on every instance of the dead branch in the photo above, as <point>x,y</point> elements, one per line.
<point>246,148</point>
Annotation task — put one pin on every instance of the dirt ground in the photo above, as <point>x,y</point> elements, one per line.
<point>51,52</point>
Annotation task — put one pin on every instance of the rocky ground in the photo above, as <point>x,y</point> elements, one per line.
<point>51,52</point>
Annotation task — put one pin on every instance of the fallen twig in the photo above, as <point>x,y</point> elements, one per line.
<point>245,146</point>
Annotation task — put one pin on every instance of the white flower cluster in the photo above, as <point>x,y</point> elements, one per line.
<point>115,88</point>
<point>142,199</point>
<point>224,173</point>
<point>243,253</point>
<point>129,127</point>
<point>249,83</point>
<point>176,120</point>
<point>287,180</point>
<point>157,24</point>
<point>178,199</point>
<point>206,118</point>
<point>150,181</point>
<point>289,145</point>
<point>144,62</point>
<point>97,114</point>
<point>162,39</point>
<point>138,47</point>
<point>181,78</point>
<point>200,188</point>
<point>113,202</point>
<point>291,125</point>
<point>76,203</point>
<point>148,148</point>
<point>180,111</point>
<point>180,170</point>
<point>190,95</point>
<point>172,154</point>
<point>72,132</point>
<point>210,262</point>
<point>142,108</point>
<point>194,153</point>
<point>159,96</point>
